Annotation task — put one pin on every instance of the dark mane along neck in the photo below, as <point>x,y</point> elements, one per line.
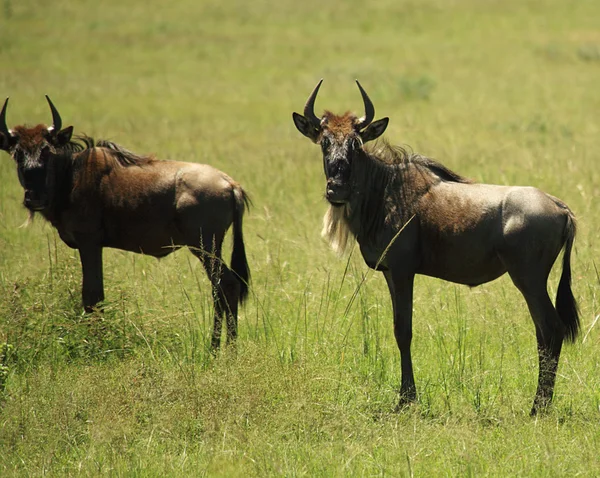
<point>394,158</point>
<point>78,144</point>
<point>123,156</point>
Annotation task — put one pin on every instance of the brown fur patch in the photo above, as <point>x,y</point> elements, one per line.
<point>339,126</point>
<point>30,138</point>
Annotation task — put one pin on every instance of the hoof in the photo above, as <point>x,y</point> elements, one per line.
<point>215,345</point>
<point>406,400</point>
<point>540,406</point>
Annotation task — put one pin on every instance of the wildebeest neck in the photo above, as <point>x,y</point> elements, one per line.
<point>364,213</point>
<point>387,182</point>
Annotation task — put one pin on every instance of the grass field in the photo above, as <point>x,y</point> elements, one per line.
<point>504,92</point>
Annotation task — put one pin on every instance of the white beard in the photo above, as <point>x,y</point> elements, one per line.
<point>335,228</point>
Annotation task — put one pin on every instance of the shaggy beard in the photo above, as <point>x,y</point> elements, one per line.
<point>29,220</point>
<point>335,228</point>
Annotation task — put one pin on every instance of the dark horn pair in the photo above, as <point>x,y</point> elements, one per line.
<point>56,120</point>
<point>309,108</point>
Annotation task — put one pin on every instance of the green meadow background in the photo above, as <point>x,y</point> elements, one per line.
<point>502,91</point>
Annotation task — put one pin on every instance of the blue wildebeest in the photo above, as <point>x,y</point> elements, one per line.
<point>454,229</point>
<point>100,195</point>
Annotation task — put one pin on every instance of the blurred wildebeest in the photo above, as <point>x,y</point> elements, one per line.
<point>412,215</point>
<point>101,195</point>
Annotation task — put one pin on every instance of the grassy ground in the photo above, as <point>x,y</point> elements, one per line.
<point>501,91</point>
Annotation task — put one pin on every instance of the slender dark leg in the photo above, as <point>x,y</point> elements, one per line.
<point>215,342</point>
<point>211,263</point>
<point>550,332</point>
<point>93,287</point>
<point>401,290</point>
<point>225,291</point>
<point>230,294</point>
<point>549,355</point>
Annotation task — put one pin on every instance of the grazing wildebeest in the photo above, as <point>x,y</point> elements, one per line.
<point>101,195</point>
<point>412,215</point>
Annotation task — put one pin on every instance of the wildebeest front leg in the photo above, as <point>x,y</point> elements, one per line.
<point>93,287</point>
<point>401,291</point>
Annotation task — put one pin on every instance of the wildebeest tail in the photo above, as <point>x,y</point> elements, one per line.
<point>566,305</point>
<point>239,263</point>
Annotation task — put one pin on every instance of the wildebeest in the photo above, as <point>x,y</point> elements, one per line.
<point>98,194</point>
<point>411,215</point>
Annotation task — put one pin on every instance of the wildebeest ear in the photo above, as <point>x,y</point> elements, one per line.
<point>7,141</point>
<point>374,130</point>
<point>305,127</point>
<point>63,136</point>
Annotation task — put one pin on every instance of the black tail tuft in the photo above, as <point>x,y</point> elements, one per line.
<point>566,305</point>
<point>239,263</point>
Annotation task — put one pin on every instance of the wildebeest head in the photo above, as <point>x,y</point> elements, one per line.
<point>340,138</point>
<point>32,149</point>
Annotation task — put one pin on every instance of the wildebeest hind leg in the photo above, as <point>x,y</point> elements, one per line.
<point>211,262</point>
<point>549,331</point>
<point>230,293</point>
<point>225,292</point>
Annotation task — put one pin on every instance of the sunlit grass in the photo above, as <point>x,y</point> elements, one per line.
<point>502,92</point>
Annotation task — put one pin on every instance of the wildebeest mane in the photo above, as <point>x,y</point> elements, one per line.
<point>78,144</point>
<point>85,144</point>
<point>123,155</point>
<point>391,155</point>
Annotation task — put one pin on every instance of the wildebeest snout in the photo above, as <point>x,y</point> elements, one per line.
<point>34,200</point>
<point>336,191</point>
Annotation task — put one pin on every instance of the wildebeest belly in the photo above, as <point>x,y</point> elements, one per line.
<point>156,246</point>
<point>154,238</point>
<point>469,263</point>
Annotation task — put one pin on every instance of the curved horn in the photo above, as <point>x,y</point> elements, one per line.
<point>56,121</point>
<point>3,127</point>
<point>369,109</point>
<point>309,107</point>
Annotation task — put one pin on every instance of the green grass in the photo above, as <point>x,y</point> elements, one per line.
<point>501,91</point>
